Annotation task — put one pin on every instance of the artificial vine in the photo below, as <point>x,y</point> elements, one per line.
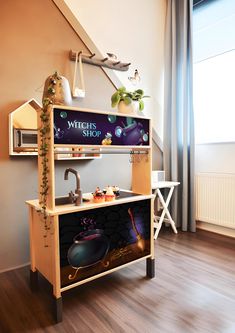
<point>48,100</point>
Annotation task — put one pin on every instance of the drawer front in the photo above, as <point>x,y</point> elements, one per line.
<point>101,239</point>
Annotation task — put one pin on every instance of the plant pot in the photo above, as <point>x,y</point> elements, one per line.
<point>132,108</point>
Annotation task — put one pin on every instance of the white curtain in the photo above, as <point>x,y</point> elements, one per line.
<point>178,140</point>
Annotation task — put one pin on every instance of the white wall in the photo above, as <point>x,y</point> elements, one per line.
<point>218,157</point>
<point>134,31</point>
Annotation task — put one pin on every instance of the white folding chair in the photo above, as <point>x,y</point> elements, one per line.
<point>156,187</point>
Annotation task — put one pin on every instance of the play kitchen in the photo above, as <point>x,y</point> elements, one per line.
<point>83,236</point>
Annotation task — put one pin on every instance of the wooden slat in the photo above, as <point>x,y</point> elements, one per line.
<point>70,208</point>
<point>152,229</point>
<point>56,258</point>
<point>141,174</point>
<point>51,166</point>
<point>142,169</point>
<point>103,273</point>
<point>31,237</point>
<point>42,246</point>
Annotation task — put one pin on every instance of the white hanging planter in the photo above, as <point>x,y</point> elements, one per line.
<point>131,108</point>
<point>76,91</point>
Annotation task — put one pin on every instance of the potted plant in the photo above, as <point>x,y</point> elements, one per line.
<point>128,101</point>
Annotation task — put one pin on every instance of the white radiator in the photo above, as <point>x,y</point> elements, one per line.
<point>215,199</point>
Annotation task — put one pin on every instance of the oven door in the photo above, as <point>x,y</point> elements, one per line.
<point>24,138</point>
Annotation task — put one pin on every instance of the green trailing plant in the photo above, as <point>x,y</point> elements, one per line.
<point>44,147</point>
<point>43,150</point>
<point>128,96</point>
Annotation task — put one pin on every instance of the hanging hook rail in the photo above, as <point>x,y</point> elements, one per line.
<point>105,62</point>
<point>106,151</point>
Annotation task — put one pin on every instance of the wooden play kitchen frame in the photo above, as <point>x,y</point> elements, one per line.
<point>49,255</point>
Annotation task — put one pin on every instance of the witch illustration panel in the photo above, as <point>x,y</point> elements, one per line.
<point>87,128</point>
<point>100,239</point>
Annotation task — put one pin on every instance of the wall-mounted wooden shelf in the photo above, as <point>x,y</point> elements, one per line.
<point>105,62</point>
<point>23,124</point>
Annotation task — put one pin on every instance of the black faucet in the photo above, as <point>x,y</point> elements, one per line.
<point>77,196</point>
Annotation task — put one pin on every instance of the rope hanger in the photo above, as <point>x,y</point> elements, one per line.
<point>76,91</point>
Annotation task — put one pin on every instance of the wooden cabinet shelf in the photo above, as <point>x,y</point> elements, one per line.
<point>74,154</point>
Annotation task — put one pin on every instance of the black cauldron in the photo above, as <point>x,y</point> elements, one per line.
<point>89,248</point>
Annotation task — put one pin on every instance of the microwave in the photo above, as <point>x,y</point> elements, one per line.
<point>25,138</point>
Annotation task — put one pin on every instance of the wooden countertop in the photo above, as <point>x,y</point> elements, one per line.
<point>125,196</point>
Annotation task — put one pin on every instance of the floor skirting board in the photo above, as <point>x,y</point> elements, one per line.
<point>14,267</point>
<point>216,229</point>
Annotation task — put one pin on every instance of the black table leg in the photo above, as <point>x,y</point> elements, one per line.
<point>33,280</point>
<point>150,267</point>
<point>58,306</point>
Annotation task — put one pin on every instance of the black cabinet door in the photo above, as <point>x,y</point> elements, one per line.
<point>100,239</point>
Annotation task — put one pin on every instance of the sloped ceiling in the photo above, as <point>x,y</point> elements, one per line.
<point>74,22</point>
<point>71,18</point>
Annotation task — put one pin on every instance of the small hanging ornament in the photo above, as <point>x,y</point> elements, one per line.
<point>57,89</point>
<point>134,79</point>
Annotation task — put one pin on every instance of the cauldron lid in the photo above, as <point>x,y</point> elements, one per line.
<point>84,235</point>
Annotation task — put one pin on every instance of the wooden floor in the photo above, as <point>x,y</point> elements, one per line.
<point>194,291</point>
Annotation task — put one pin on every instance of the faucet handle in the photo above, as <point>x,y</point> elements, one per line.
<point>72,196</point>
<point>76,197</point>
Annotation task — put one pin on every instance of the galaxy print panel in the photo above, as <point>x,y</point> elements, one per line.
<point>87,128</point>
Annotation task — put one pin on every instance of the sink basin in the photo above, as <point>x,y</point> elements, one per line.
<point>62,201</point>
<point>66,201</point>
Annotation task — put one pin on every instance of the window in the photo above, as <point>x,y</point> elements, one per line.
<point>214,99</point>
<point>214,71</point>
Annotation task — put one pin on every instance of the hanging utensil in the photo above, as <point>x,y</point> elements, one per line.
<point>76,91</point>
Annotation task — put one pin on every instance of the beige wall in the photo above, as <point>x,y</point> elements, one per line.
<point>35,40</point>
<point>134,31</point>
